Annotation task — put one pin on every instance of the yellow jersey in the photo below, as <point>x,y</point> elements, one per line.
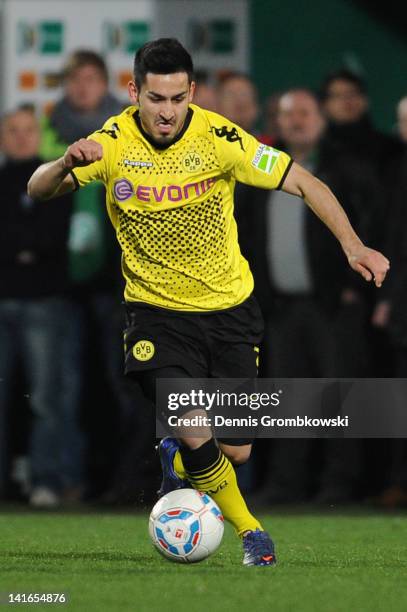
<point>172,207</point>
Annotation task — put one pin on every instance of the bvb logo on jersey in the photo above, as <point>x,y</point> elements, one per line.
<point>143,350</point>
<point>192,162</point>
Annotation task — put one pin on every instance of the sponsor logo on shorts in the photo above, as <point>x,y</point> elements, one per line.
<point>143,350</point>
<point>123,190</point>
<point>192,162</point>
<point>265,158</point>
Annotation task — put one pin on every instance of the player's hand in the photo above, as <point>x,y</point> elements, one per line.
<point>82,153</point>
<point>370,264</point>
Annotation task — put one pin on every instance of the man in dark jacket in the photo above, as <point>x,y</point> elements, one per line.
<point>316,312</point>
<point>390,315</point>
<point>36,318</point>
<point>350,130</point>
<point>265,225</point>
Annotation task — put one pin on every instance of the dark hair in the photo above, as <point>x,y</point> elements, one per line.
<point>162,56</point>
<point>84,57</point>
<point>344,74</point>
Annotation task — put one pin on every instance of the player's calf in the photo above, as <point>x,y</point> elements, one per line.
<point>236,454</point>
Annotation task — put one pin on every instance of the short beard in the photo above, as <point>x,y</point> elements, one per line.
<point>164,140</point>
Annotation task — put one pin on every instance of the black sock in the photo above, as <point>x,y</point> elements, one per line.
<point>201,458</point>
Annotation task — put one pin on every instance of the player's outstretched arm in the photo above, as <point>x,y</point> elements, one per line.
<point>53,178</point>
<point>369,263</point>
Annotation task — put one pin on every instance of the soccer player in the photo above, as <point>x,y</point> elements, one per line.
<point>169,168</point>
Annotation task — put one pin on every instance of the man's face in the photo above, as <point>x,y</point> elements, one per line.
<point>163,101</point>
<point>344,102</point>
<point>85,87</point>
<point>300,121</point>
<point>20,135</point>
<point>237,101</point>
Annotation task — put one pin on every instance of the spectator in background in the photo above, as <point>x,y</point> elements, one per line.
<point>35,318</point>
<point>94,258</point>
<point>84,106</point>
<point>394,240</point>
<point>350,129</point>
<point>390,311</point>
<point>315,310</point>
<point>270,114</point>
<point>351,135</point>
<point>205,92</point>
<point>237,99</point>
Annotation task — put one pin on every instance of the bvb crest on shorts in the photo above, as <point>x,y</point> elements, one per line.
<point>143,350</point>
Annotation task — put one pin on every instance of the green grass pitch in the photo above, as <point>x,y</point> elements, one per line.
<point>327,562</point>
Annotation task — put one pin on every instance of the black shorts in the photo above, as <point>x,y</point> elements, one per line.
<point>222,344</point>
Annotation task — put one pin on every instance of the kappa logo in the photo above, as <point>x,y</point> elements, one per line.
<point>137,164</point>
<point>231,135</point>
<point>123,190</point>
<point>265,158</point>
<point>113,132</point>
<point>143,350</point>
<point>192,162</point>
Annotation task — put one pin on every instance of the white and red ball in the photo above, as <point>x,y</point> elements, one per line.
<point>186,526</point>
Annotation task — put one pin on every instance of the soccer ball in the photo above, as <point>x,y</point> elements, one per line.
<point>186,526</point>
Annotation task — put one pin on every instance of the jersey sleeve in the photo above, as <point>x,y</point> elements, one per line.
<point>99,170</point>
<point>248,160</point>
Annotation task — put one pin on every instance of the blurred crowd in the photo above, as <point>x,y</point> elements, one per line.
<point>72,428</point>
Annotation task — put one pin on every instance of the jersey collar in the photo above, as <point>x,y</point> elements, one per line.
<point>180,134</point>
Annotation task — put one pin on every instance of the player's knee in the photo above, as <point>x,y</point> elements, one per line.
<point>237,454</point>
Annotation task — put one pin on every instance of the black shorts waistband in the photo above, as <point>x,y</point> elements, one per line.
<point>131,306</point>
